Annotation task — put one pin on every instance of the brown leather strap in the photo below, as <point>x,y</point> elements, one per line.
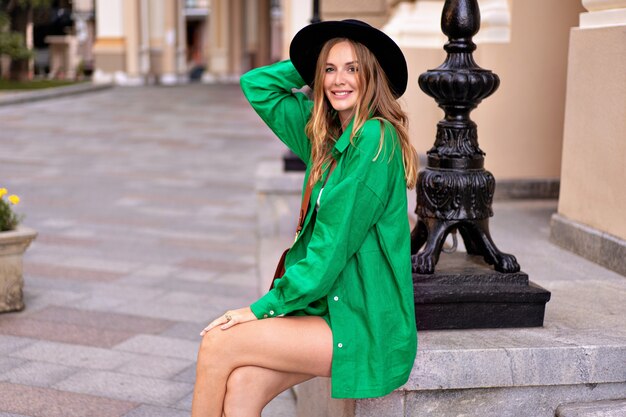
<point>307,198</point>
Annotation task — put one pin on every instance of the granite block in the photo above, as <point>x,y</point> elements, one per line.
<point>282,406</point>
<point>137,389</point>
<point>314,400</point>
<point>43,402</point>
<point>503,367</point>
<point>538,401</point>
<point>615,408</point>
<point>161,347</point>
<point>389,405</point>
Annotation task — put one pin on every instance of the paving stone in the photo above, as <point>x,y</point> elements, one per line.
<point>185,330</point>
<point>156,367</point>
<point>66,272</point>
<point>126,387</point>
<point>188,375</point>
<point>185,402</point>
<point>75,356</point>
<point>10,344</point>
<point>151,411</point>
<point>59,332</point>
<point>42,402</point>
<point>101,320</point>
<point>6,364</point>
<point>160,346</point>
<point>281,406</point>
<point>38,374</point>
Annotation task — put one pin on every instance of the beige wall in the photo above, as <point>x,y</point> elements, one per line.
<point>520,127</point>
<point>593,178</point>
<point>374,12</point>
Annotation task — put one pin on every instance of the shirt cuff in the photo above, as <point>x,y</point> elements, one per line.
<point>266,306</point>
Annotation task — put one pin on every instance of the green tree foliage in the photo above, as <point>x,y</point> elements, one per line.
<point>12,42</point>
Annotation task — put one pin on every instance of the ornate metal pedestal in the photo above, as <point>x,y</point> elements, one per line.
<point>455,192</point>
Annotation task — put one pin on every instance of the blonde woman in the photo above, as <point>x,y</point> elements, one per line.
<point>344,307</point>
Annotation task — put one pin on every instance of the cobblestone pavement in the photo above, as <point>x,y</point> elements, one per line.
<point>144,203</point>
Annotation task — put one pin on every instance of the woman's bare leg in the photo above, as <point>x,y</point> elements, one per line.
<point>300,345</point>
<point>250,388</point>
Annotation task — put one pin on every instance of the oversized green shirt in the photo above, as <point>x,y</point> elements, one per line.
<point>351,262</point>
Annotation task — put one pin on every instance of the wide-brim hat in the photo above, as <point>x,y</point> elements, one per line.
<point>308,42</point>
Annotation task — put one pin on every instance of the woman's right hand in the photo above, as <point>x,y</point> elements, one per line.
<point>230,318</point>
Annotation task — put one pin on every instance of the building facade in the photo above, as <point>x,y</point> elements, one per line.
<point>558,118</point>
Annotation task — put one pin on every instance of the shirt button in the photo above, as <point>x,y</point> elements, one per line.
<point>336,298</point>
<point>339,345</point>
<point>271,312</point>
<point>264,316</point>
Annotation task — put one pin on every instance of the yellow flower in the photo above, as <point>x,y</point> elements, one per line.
<point>14,199</point>
<point>3,191</point>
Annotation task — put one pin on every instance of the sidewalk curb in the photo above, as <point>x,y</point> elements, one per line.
<point>50,93</point>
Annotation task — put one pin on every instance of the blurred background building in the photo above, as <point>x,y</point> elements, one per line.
<point>555,128</point>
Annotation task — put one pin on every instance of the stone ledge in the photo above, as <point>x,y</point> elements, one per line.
<point>53,92</point>
<point>597,246</point>
<point>616,408</point>
<point>519,189</point>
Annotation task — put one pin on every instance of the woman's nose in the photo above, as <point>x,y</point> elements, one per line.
<point>339,78</point>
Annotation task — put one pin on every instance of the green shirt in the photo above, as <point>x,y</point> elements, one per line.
<point>351,262</point>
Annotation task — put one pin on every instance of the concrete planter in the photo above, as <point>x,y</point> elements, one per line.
<point>13,244</point>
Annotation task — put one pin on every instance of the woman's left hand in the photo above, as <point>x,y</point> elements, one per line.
<point>230,318</point>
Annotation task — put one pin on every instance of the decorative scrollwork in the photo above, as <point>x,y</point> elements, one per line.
<point>451,195</point>
<point>456,143</point>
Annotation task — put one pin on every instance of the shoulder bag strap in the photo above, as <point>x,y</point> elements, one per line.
<point>307,198</point>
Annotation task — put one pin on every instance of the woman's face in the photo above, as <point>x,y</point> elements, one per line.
<point>341,80</point>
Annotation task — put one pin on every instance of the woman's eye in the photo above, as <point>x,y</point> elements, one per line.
<point>328,69</point>
<point>353,69</point>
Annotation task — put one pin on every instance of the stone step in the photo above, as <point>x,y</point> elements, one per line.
<point>614,408</point>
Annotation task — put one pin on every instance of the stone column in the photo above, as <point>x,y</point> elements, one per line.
<point>181,41</point>
<point>168,64</point>
<point>237,35</point>
<point>218,41</point>
<point>590,219</point>
<point>132,29</point>
<point>109,48</point>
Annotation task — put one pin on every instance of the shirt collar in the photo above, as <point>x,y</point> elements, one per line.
<point>344,140</point>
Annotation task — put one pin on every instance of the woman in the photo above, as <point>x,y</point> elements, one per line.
<point>344,307</point>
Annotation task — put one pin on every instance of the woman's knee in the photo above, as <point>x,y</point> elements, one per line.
<point>211,348</point>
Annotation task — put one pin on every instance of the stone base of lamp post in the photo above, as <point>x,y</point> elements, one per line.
<point>466,293</point>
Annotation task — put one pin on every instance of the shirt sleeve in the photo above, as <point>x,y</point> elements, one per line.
<point>349,210</point>
<point>269,90</point>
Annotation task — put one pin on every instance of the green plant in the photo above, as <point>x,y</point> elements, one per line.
<point>8,218</point>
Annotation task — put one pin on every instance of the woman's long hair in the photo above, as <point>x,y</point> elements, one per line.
<point>375,101</point>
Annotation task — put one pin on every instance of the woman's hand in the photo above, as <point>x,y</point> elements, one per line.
<point>230,318</point>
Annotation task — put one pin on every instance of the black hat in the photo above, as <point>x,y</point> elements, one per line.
<point>308,42</point>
